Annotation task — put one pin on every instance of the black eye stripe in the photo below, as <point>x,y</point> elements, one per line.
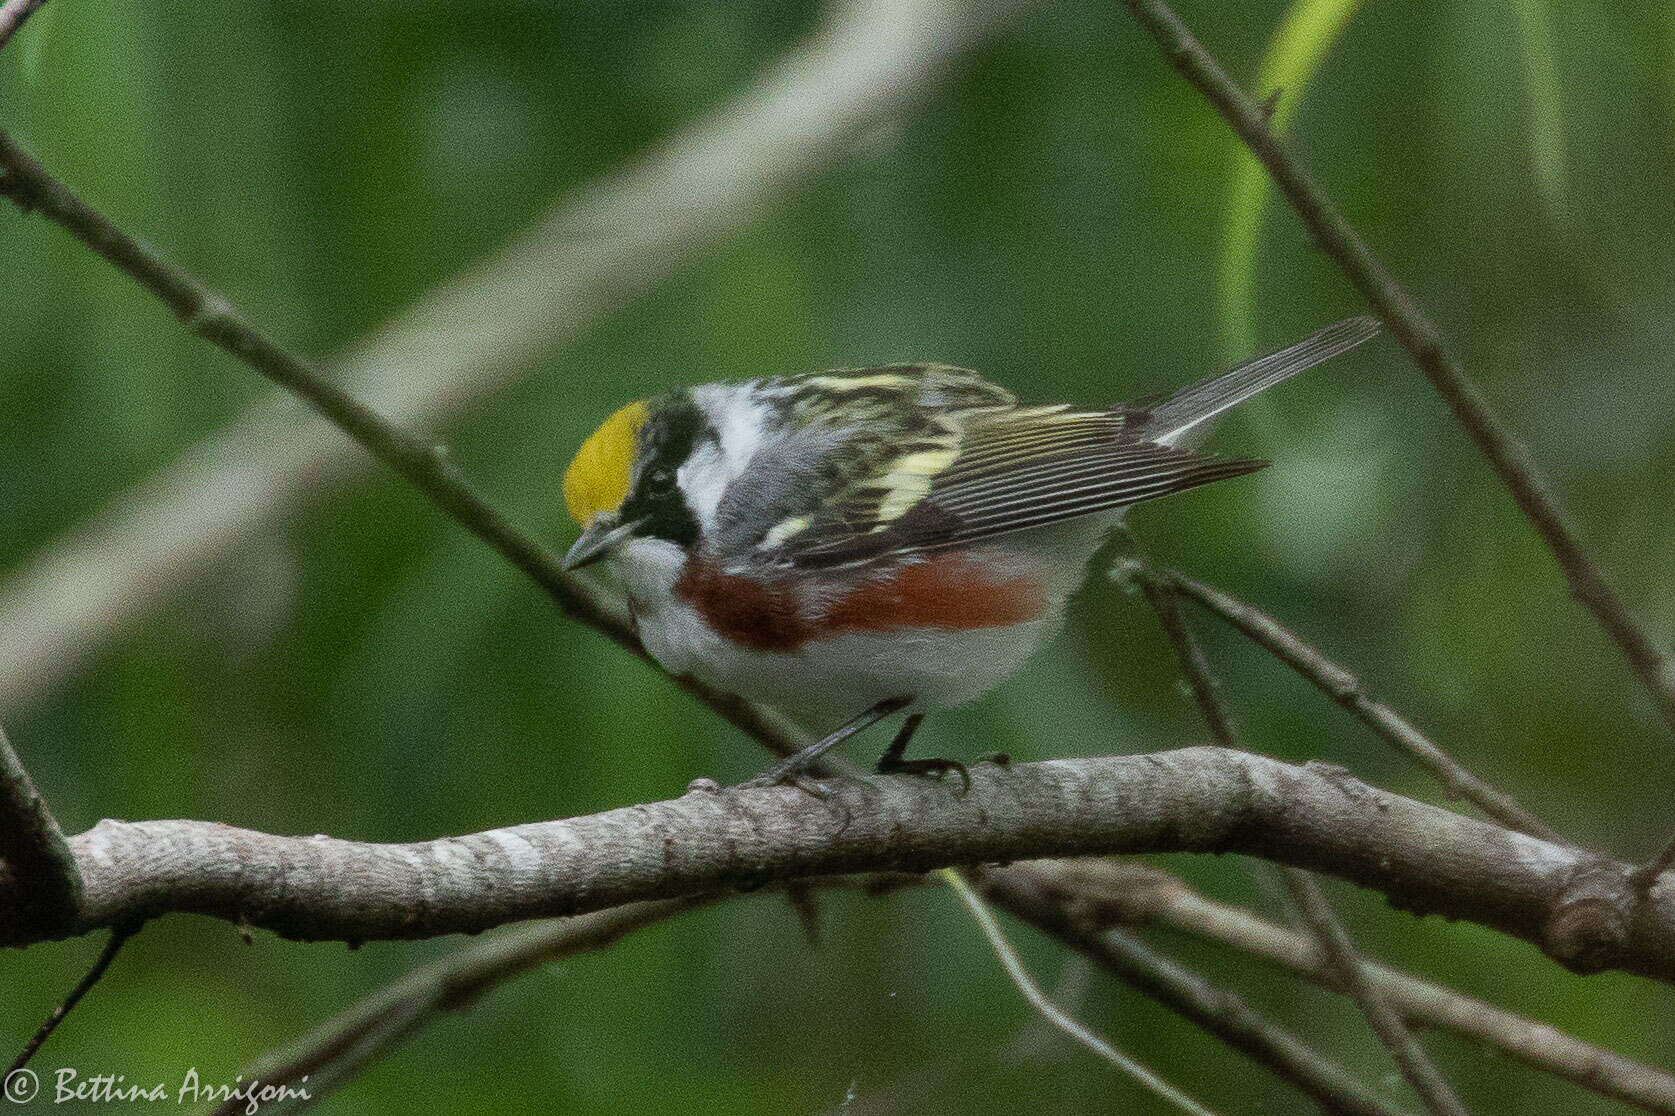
<point>667,439</point>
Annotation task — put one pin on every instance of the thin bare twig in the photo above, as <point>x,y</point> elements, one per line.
<point>1506,455</point>
<point>1221,1010</point>
<point>1231,1017</point>
<point>1102,892</point>
<point>1050,1011</point>
<point>1336,1091</point>
<point>1339,951</point>
<point>597,248</point>
<point>423,464</point>
<point>113,945</point>
<point>1345,689</point>
<point>209,315</point>
<point>345,1046</point>
<point>47,891</point>
<point>12,15</point>
<point>1206,689</point>
<point>1032,896</point>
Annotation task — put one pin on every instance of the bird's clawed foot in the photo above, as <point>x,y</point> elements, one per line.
<point>779,775</point>
<point>891,762</point>
<point>889,765</point>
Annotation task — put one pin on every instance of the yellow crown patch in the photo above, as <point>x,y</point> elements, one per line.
<point>597,479</point>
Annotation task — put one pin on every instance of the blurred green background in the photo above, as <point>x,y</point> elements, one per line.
<point>1058,214</point>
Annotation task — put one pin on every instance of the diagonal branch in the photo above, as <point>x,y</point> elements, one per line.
<point>1205,686</point>
<point>113,945</point>
<point>1032,896</point>
<point>1508,457</point>
<point>1246,1028</point>
<point>210,316</point>
<point>1103,892</point>
<point>600,247</point>
<point>1051,1012</point>
<point>1433,1090</point>
<point>1345,689</point>
<point>12,15</point>
<point>423,464</point>
<point>1579,908</point>
<point>46,890</point>
<point>346,1045</point>
<point>1346,964</point>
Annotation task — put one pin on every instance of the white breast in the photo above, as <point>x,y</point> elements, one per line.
<point>826,682</point>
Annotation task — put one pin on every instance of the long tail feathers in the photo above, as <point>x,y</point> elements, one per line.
<point>1197,403</point>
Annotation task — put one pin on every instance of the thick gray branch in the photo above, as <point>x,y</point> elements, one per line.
<point>1579,908</point>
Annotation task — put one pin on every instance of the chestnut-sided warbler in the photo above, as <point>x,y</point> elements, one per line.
<point>843,545</point>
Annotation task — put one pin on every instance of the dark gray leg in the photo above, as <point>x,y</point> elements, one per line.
<point>891,759</point>
<point>789,768</point>
<point>891,762</point>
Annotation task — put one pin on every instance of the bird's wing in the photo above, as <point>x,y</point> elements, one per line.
<point>940,457</point>
<point>1179,419</point>
<point>982,474</point>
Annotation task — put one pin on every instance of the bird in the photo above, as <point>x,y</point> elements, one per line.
<point>849,544</point>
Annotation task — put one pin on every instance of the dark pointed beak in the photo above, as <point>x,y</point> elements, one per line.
<point>597,540</point>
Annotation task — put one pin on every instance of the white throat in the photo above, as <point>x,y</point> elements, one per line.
<point>648,570</point>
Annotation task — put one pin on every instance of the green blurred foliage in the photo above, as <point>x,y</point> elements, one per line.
<point>1053,215</point>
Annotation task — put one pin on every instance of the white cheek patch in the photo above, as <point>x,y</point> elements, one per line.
<point>737,419</point>
<point>703,478</point>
